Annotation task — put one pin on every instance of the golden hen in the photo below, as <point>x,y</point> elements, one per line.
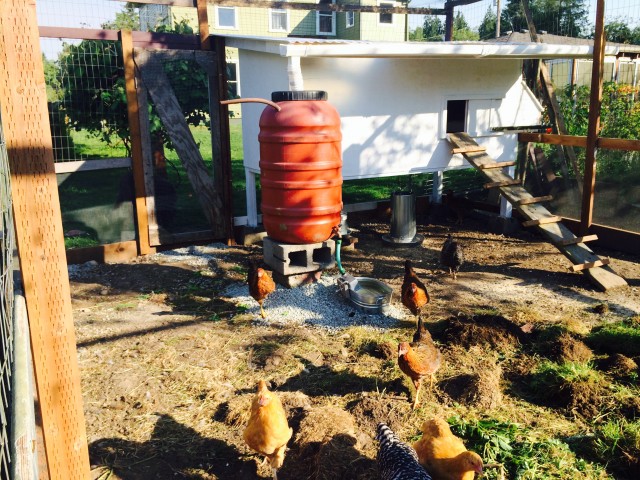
<point>413,293</point>
<point>260,285</point>
<point>419,358</point>
<point>444,455</point>
<point>268,430</point>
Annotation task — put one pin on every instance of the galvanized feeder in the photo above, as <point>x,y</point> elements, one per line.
<point>403,221</point>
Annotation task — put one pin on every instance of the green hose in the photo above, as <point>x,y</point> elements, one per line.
<point>338,262</point>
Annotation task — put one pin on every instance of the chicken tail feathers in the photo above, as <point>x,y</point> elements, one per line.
<point>397,460</point>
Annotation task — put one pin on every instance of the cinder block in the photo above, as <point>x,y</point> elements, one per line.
<point>290,259</point>
<point>296,280</point>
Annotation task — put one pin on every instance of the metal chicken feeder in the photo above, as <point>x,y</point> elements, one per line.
<point>403,221</point>
<point>368,295</point>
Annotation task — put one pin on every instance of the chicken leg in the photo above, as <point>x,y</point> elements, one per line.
<point>275,473</point>
<point>262,314</point>
<point>417,384</point>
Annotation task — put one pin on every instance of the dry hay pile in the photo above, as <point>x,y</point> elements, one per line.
<point>480,388</point>
<point>493,330</point>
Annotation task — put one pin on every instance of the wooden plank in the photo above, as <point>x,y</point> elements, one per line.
<point>529,201</point>
<point>148,164</point>
<point>573,241</point>
<point>553,139</point>
<point>203,24</point>
<point>468,149</point>
<point>502,183</point>
<point>168,108</point>
<point>580,141</point>
<point>142,223</point>
<point>90,165</point>
<point>109,253</point>
<point>221,136</point>
<point>39,236</point>
<point>542,221</point>
<point>331,7</point>
<point>488,166</point>
<point>583,266</point>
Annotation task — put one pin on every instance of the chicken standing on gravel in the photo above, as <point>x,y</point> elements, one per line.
<point>451,256</point>
<point>268,430</point>
<point>413,293</point>
<point>260,285</point>
<point>419,358</point>
<point>397,460</point>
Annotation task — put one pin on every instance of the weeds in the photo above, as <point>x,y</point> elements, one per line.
<point>620,337</point>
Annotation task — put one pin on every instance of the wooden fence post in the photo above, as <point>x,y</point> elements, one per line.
<point>39,235</point>
<point>142,221</point>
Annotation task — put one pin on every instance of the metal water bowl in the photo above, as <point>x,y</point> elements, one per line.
<point>367,294</point>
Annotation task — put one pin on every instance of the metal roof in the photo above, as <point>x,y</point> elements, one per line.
<point>313,47</point>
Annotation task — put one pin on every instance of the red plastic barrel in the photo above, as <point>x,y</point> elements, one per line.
<point>300,167</point>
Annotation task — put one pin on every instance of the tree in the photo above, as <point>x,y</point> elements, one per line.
<point>618,31</point>
<point>92,76</point>
<point>461,30</point>
<point>433,29</point>
<point>416,35</point>
<point>127,19</point>
<point>487,28</point>
<point>560,17</point>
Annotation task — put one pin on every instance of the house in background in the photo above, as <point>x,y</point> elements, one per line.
<point>278,23</point>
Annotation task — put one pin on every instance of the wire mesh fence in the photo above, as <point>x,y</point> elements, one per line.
<point>84,78</point>
<point>7,245</point>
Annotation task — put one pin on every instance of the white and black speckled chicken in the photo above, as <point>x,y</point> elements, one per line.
<point>396,459</point>
<point>451,256</point>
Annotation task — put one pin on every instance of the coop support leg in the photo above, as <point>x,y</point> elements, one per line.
<point>252,199</point>
<point>505,207</point>
<point>436,192</point>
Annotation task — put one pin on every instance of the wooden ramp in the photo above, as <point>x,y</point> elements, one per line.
<point>574,248</point>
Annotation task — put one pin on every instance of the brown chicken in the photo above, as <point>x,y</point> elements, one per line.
<point>413,293</point>
<point>260,285</point>
<point>419,358</point>
<point>268,430</point>
<point>444,455</point>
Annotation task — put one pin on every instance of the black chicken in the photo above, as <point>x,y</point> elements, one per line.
<point>397,460</point>
<point>451,256</point>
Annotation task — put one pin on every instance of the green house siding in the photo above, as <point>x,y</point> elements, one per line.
<point>348,33</point>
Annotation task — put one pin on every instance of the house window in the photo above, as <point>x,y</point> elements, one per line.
<point>233,87</point>
<point>278,20</point>
<point>325,20</point>
<point>386,18</point>
<point>226,18</point>
<point>351,19</point>
<point>456,116</point>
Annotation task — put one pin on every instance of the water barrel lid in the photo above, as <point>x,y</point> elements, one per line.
<point>292,95</point>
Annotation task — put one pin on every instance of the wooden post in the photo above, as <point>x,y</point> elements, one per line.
<point>593,129</point>
<point>39,235</point>
<point>203,24</point>
<point>142,222</point>
<point>448,23</point>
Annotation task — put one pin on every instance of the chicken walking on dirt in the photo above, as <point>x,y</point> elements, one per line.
<point>451,256</point>
<point>414,294</point>
<point>444,455</point>
<point>260,285</point>
<point>397,460</point>
<point>419,358</point>
<point>268,430</point>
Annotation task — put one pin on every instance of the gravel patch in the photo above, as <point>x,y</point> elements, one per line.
<point>196,255</point>
<point>319,304</point>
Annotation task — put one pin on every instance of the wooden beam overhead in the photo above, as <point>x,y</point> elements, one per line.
<point>580,141</point>
<point>329,7</point>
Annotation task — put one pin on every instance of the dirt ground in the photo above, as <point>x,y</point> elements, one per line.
<point>170,361</point>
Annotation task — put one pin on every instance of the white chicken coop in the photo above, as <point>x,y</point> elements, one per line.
<point>397,100</point>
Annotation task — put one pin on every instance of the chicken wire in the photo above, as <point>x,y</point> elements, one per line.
<point>7,245</point>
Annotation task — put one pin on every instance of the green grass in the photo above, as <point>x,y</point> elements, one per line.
<point>620,337</point>
<point>523,454</point>
<point>103,188</point>
<point>550,376</point>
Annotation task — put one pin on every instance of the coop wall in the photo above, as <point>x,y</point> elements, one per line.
<point>394,111</point>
